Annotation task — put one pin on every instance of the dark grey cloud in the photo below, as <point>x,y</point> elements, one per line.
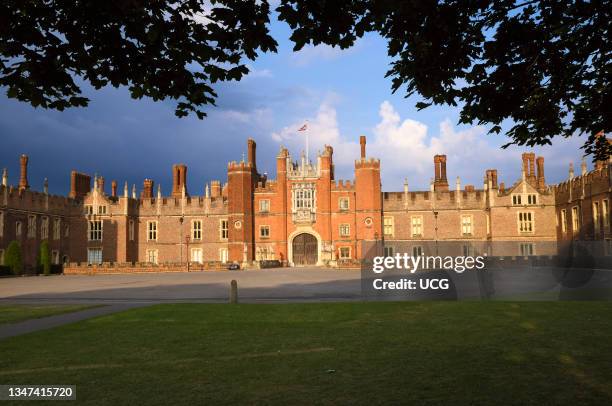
<point>125,139</point>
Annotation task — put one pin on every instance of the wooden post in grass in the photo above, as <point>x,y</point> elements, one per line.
<point>233,292</point>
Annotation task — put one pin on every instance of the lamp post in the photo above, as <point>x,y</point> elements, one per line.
<point>187,250</point>
<point>181,219</point>
<point>436,230</point>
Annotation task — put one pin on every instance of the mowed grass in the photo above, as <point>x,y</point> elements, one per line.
<point>16,313</point>
<point>448,353</point>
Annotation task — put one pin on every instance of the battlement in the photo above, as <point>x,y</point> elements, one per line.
<point>266,187</point>
<point>598,178</point>
<point>427,200</point>
<point>342,185</point>
<point>239,166</point>
<point>34,200</point>
<point>367,163</point>
<point>176,202</point>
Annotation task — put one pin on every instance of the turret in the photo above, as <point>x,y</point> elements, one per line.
<point>241,178</point>
<point>368,198</point>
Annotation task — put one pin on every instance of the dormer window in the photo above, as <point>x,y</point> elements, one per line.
<point>532,199</point>
<point>527,199</point>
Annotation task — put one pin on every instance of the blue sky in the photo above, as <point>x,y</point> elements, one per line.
<point>342,94</point>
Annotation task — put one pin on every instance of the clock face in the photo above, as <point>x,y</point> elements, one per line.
<point>237,224</point>
<point>368,221</point>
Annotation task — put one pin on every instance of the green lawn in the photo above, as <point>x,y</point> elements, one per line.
<point>15,313</point>
<point>449,353</point>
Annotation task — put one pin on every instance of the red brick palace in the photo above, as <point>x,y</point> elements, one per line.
<point>303,217</point>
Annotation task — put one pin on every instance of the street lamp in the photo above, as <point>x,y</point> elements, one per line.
<point>187,249</point>
<point>436,230</point>
<point>181,219</point>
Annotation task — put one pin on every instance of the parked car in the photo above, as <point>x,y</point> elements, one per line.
<point>234,266</point>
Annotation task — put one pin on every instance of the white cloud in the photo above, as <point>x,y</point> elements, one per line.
<point>259,117</point>
<point>323,52</point>
<point>405,147</point>
<point>257,73</point>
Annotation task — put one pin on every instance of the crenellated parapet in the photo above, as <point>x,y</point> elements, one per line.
<point>367,163</point>
<point>27,199</point>
<point>594,181</point>
<point>269,186</point>
<point>241,166</point>
<point>342,185</point>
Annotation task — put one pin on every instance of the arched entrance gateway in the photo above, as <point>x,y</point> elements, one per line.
<point>305,249</point>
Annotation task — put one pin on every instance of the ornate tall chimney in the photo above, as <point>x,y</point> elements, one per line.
<point>540,166</point>
<point>23,179</point>
<point>440,182</point>
<point>114,188</point>
<point>147,189</point>
<point>252,152</point>
<point>179,180</point>
<point>362,143</point>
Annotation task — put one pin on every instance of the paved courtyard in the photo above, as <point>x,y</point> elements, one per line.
<point>118,292</point>
<point>284,284</point>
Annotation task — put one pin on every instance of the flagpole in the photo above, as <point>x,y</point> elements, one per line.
<point>305,129</point>
<point>307,161</point>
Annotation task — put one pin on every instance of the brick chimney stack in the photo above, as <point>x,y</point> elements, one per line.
<point>179,179</point>
<point>440,181</point>
<point>147,189</point>
<point>252,152</point>
<point>529,167</point>
<point>80,185</point>
<point>492,177</point>
<point>215,189</point>
<point>362,143</point>
<point>114,188</point>
<point>23,179</point>
<point>541,180</point>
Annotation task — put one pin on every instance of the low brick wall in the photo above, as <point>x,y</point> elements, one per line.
<point>83,269</point>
